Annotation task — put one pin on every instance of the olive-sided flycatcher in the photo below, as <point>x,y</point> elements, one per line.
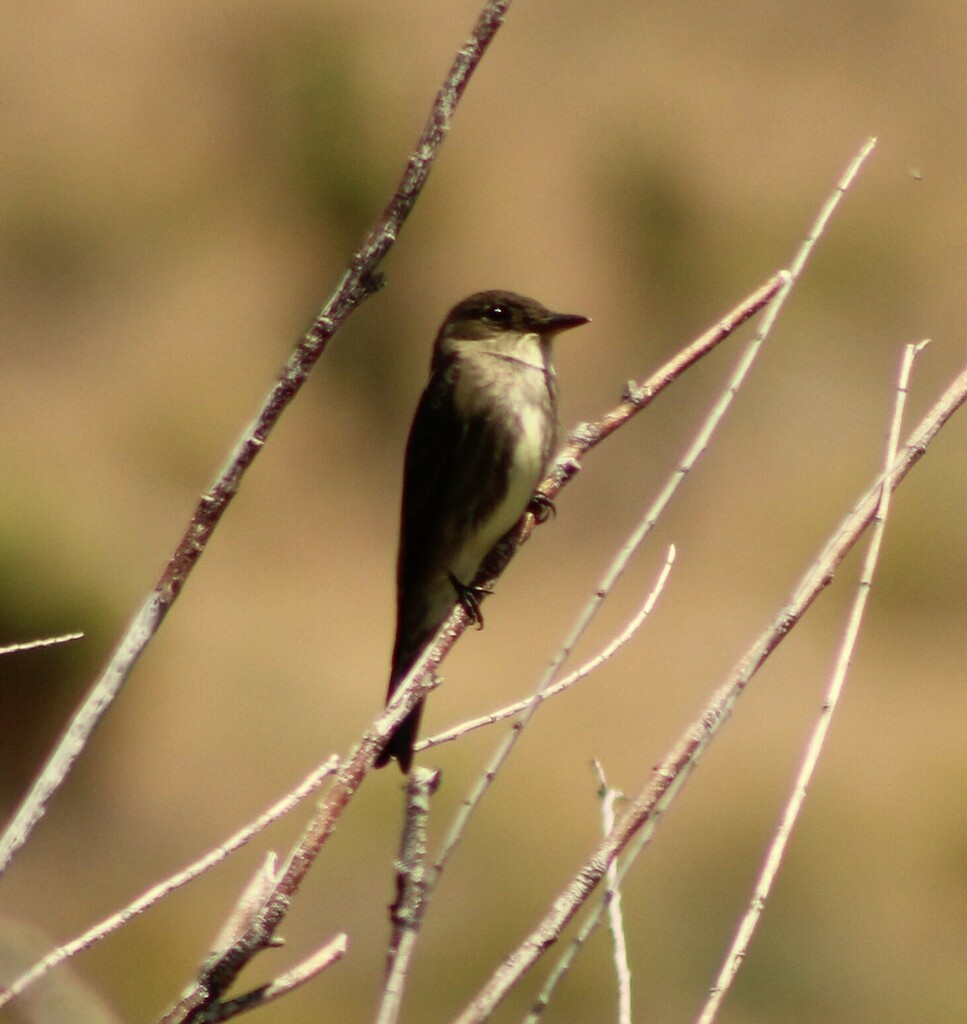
<point>483,434</point>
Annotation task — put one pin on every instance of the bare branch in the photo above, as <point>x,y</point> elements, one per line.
<point>613,902</point>
<point>608,905</point>
<point>32,645</point>
<point>647,808</point>
<point>607,652</point>
<point>156,893</point>
<point>359,281</point>
<point>638,396</point>
<point>814,747</point>
<point>258,889</point>
<point>220,973</point>
<point>284,983</point>
<point>407,910</point>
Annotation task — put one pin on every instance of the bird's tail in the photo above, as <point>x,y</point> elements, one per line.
<point>400,744</point>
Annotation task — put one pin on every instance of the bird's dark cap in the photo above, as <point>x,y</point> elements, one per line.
<point>505,310</point>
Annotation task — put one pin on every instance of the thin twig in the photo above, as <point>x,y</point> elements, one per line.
<point>777,847</point>
<point>240,917</point>
<point>407,911</point>
<point>639,396</point>
<point>612,901</point>
<point>285,983</point>
<point>473,799</point>
<point>644,812</point>
<point>591,665</point>
<point>359,281</point>
<point>32,645</point>
<point>157,892</point>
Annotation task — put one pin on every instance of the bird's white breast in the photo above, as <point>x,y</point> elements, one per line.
<point>526,463</point>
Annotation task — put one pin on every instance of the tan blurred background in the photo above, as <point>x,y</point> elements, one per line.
<point>180,185</point>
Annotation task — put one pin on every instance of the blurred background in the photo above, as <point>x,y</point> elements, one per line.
<point>180,186</point>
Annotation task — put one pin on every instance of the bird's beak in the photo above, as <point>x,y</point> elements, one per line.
<point>554,323</point>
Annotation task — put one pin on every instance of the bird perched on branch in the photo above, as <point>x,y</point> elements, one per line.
<point>482,436</point>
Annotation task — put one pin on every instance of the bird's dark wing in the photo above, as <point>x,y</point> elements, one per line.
<point>456,470</point>
<point>437,437</point>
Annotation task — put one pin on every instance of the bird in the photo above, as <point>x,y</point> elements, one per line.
<point>483,434</point>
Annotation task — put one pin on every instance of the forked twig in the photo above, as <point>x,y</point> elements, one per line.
<point>285,983</point>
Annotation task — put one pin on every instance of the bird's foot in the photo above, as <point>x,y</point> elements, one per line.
<point>469,597</point>
<point>541,508</point>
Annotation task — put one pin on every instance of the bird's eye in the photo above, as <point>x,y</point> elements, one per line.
<point>497,314</point>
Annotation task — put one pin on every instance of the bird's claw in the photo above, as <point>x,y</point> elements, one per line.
<point>469,597</point>
<point>542,508</point>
